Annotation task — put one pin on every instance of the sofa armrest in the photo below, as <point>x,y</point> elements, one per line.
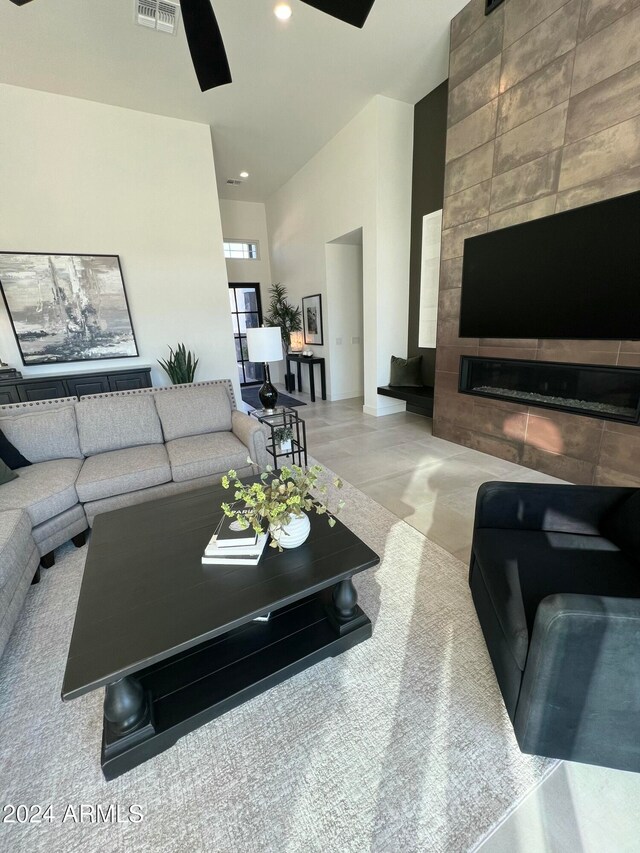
<point>551,507</point>
<point>580,696</point>
<point>251,433</point>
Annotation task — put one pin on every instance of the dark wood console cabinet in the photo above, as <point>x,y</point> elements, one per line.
<point>31,388</point>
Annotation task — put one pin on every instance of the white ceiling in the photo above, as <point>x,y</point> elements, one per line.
<point>296,84</point>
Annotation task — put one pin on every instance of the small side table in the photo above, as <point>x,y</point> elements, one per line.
<point>284,416</point>
<point>311,361</point>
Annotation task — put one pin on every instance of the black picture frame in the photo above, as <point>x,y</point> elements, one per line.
<point>312,319</point>
<point>78,329</point>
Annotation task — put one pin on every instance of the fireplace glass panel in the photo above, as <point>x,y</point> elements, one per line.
<point>597,391</point>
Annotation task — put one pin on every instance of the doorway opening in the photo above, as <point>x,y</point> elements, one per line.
<point>344,262</point>
<point>246,313</point>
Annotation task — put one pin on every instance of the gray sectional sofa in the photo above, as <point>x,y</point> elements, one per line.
<point>107,451</point>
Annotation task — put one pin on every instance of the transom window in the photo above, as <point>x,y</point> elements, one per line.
<point>241,250</point>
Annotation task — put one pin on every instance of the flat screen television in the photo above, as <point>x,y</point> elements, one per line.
<point>575,274</point>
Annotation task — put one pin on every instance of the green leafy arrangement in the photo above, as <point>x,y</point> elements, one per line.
<point>282,313</point>
<point>180,366</point>
<point>278,497</point>
<point>284,433</point>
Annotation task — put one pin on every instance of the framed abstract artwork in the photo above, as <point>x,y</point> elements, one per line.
<point>67,307</point>
<point>312,319</point>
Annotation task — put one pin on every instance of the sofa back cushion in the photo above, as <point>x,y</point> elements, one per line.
<point>43,435</point>
<point>194,411</point>
<point>622,526</point>
<point>113,423</point>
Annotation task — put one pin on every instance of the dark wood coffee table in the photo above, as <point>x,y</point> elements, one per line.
<point>174,642</point>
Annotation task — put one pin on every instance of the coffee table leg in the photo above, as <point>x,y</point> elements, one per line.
<point>345,599</point>
<point>125,706</point>
<point>128,723</point>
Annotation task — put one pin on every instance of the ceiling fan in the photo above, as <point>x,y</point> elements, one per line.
<point>205,40</point>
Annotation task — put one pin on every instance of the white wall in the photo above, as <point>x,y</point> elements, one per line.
<point>360,179</point>
<point>82,177</point>
<point>395,164</point>
<point>247,220</point>
<point>344,302</point>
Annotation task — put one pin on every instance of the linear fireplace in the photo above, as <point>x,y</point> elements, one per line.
<point>594,390</point>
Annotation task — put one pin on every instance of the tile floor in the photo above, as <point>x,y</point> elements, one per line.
<point>428,482</point>
<point>431,484</point>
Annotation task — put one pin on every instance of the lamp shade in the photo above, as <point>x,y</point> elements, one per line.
<point>264,344</point>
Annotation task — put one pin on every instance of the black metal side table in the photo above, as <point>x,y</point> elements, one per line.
<point>284,417</point>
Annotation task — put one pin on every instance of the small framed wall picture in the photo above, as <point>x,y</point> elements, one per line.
<point>312,319</point>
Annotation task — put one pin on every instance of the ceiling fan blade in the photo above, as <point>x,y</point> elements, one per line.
<point>205,44</point>
<point>353,12</point>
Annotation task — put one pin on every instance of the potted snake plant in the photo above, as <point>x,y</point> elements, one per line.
<point>180,366</point>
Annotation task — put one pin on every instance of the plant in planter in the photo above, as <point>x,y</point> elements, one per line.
<point>284,436</point>
<point>281,499</point>
<point>180,366</point>
<point>287,316</point>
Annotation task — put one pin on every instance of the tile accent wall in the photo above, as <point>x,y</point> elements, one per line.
<point>544,115</point>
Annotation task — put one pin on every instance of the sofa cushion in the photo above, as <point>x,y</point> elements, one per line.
<point>44,435</point>
<point>622,526</point>
<point>6,473</point>
<point>58,529</point>
<point>114,423</point>
<point>10,455</point>
<point>16,545</point>
<point>521,567</point>
<point>43,489</point>
<point>203,455</point>
<point>193,411</point>
<point>119,471</point>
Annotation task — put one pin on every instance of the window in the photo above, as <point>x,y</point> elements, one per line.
<point>246,311</point>
<point>241,250</point>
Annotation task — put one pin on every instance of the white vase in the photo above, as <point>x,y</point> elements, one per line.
<point>294,533</point>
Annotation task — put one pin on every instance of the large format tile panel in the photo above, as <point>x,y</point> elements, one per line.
<point>560,130</point>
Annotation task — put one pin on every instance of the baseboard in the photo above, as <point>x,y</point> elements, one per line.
<point>348,395</point>
<point>386,409</point>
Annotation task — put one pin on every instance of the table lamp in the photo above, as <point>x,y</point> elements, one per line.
<point>264,345</point>
<point>297,341</point>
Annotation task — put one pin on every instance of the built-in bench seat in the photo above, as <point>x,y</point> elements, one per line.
<point>419,399</point>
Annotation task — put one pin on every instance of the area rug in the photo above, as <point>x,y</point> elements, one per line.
<point>250,397</point>
<point>400,744</point>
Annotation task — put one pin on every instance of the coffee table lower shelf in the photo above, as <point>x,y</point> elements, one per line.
<point>194,687</point>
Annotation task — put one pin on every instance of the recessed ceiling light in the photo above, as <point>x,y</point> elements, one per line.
<point>244,174</point>
<point>282,11</point>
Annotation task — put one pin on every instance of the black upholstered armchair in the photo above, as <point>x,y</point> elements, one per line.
<point>555,578</point>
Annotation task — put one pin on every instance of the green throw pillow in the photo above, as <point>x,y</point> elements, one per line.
<point>6,474</point>
<point>406,371</point>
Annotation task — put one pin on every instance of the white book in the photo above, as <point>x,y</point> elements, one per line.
<point>235,556</point>
<point>213,549</point>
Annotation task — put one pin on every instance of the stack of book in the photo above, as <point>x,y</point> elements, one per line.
<point>232,545</point>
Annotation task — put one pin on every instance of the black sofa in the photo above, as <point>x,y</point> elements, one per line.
<point>555,579</point>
